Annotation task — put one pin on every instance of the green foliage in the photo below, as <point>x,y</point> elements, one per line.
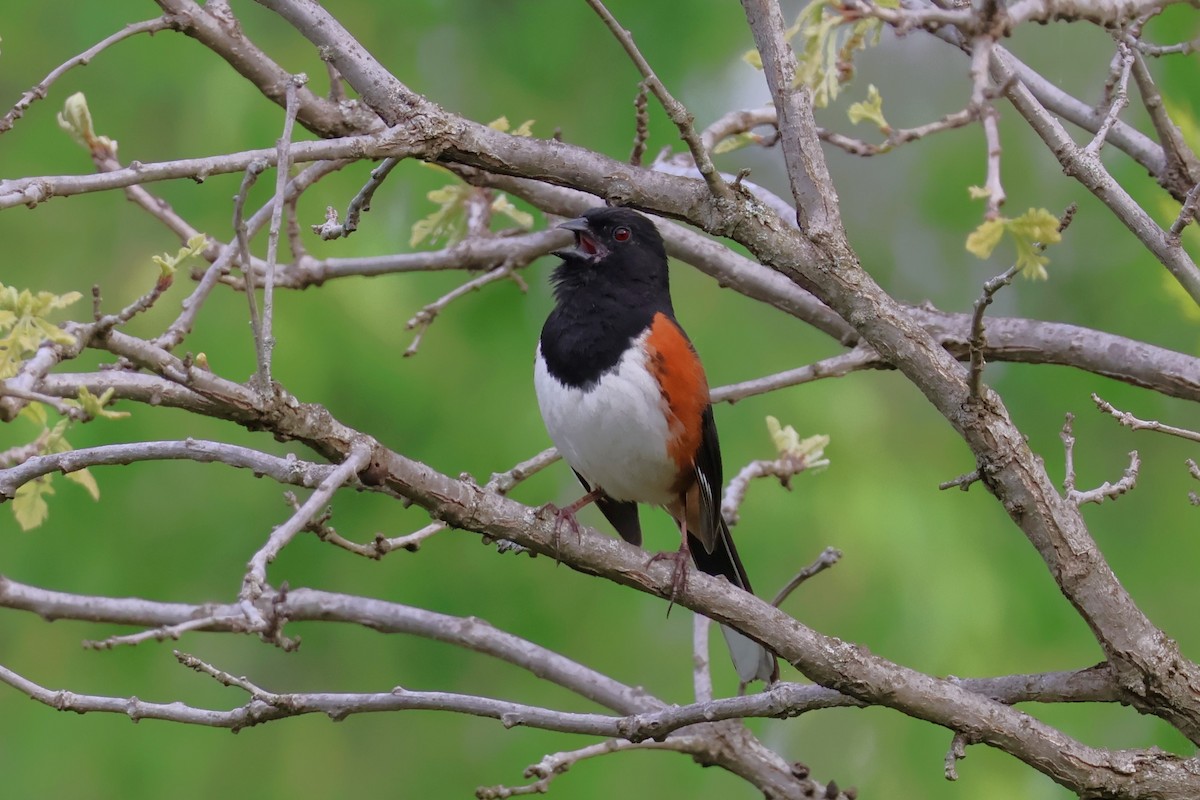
<point>23,324</point>
<point>168,263</point>
<point>735,142</point>
<point>29,506</point>
<point>23,329</point>
<point>448,224</point>
<point>828,38</point>
<point>869,110</point>
<point>788,443</point>
<point>1031,233</point>
<point>76,120</point>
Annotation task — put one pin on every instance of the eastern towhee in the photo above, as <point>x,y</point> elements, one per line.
<point>625,401</point>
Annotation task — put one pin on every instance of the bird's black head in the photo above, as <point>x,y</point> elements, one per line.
<point>602,232</point>
<point>615,248</point>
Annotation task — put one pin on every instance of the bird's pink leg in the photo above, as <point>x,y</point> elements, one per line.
<point>567,513</point>
<point>681,557</point>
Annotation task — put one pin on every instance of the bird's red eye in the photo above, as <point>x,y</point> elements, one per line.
<point>621,234</point>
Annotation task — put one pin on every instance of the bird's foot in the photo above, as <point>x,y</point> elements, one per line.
<point>682,557</point>
<point>562,515</point>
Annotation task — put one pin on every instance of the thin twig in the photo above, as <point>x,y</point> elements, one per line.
<point>57,403</point>
<point>978,341</point>
<point>1106,490</point>
<point>172,632</point>
<point>40,90</point>
<point>900,136</point>
<point>1133,423</point>
<point>963,482</point>
<point>956,753</point>
<point>359,204</point>
<point>675,110</point>
<point>421,321</point>
<point>1187,213</point>
<point>641,127</point>
<point>829,556</point>
<point>702,685</point>
<point>555,764</point>
<point>787,466</point>
<point>182,325</point>
<point>288,470</point>
<point>266,344</point>
<point>859,358</point>
<point>249,178</point>
<point>981,49</point>
<point>1118,99</point>
<point>255,580</point>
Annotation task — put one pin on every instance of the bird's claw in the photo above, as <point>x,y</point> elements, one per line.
<point>681,557</point>
<point>562,515</point>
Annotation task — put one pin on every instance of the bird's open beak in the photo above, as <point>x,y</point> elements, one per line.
<point>586,246</point>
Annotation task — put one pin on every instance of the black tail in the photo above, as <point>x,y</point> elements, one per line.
<point>751,659</point>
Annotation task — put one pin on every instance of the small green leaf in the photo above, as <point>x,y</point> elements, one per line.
<point>983,240</point>
<point>29,504</point>
<point>76,120</point>
<point>168,263</point>
<point>448,222</point>
<point>35,413</point>
<point>84,478</point>
<point>500,124</point>
<point>789,444</point>
<point>524,129</point>
<point>753,58</point>
<point>23,327</point>
<point>735,142</point>
<point>978,192</point>
<point>96,407</point>
<point>870,109</point>
<point>502,205</point>
<point>1031,233</point>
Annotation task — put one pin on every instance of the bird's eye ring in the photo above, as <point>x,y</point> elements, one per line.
<point>621,234</point>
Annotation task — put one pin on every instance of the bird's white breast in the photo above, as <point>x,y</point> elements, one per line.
<point>615,432</point>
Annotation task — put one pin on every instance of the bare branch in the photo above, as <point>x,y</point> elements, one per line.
<point>35,190</point>
<point>421,321</point>
<point>829,556</point>
<point>978,341</point>
<point>1104,491</point>
<point>359,204</point>
<point>177,330</point>
<point>679,115</point>
<point>1133,423</point>
<point>1117,102</point>
<point>956,753</point>
<point>1090,172</point>
<point>255,580</point>
<point>42,88</point>
<point>1187,213</point>
<point>833,367</point>
<point>641,127</point>
<point>816,199</point>
<point>981,49</point>
<point>555,764</point>
<point>288,470</point>
<point>702,687</point>
<point>266,336</point>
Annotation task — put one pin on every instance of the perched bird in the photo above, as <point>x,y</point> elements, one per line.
<point>625,400</point>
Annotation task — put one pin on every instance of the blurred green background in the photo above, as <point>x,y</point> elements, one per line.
<point>940,581</point>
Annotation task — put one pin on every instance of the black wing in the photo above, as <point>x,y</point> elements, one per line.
<point>720,557</point>
<point>622,516</point>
